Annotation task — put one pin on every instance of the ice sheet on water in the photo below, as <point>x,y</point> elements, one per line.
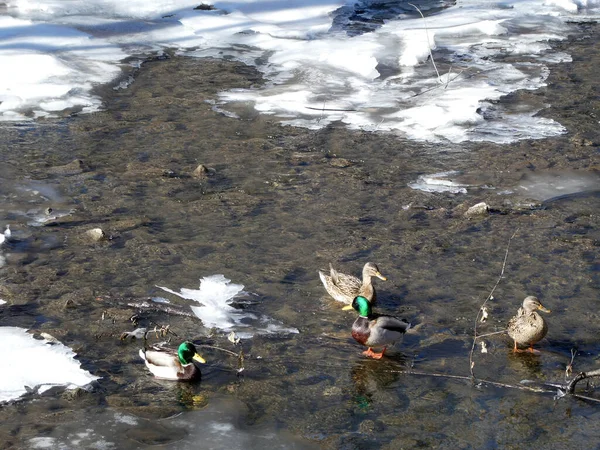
<point>439,182</point>
<point>317,71</point>
<point>220,425</point>
<point>549,185</point>
<point>216,296</point>
<point>29,363</point>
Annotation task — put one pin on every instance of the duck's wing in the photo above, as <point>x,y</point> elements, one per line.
<point>162,364</point>
<point>334,274</point>
<point>516,320</point>
<point>164,357</point>
<point>386,330</point>
<point>325,279</point>
<point>391,323</point>
<point>346,282</point>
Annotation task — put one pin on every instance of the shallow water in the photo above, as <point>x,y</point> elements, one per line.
<point>278,204</point>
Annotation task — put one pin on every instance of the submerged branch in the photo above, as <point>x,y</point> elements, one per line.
<point>470,379</point>
<point>331,109</point>
<point>490,295</point>
<point>570,388</point>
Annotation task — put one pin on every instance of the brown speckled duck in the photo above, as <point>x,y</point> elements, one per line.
<point>528,327</point>
<point>344,288</point>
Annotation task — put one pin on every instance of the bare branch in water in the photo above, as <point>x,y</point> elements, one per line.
<point>570,388</point>
<point>428,43</point>
<point>479,312</point>
<point>331,109</point>
<point>564,389</point>
<point>569,368</point>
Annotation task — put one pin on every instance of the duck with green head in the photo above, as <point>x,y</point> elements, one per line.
<point>375,330</point>
<point>169,364</point>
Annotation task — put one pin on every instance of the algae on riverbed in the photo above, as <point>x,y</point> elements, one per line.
<point>279,204</point>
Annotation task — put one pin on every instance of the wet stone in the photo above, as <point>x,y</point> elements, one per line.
<point>95,235</point>
<point>75,167</point>
<point>340,162</point>
<point>480,209</point>
<point>370,426</point>
<point>201,172</point>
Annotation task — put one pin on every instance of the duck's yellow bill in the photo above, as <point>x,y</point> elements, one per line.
<point>347,307</point>
<point>543,308</point>
<point>381,277</point>
<point>199,358</point>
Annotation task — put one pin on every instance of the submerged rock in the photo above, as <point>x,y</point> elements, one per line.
<point>75,167</point>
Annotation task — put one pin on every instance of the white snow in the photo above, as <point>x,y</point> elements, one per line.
<point>36,364</point>
<point>57,51</point>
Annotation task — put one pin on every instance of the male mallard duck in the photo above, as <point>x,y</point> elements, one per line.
<point>344,288</point>
<point>168,364</point>
<point>375,330</point>
<point>528,327</point>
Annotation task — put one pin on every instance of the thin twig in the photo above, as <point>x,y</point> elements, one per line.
<point>218,348</point>
<point>471,362</point>
<point>330,109</point>
<point>437,86</point>
<point>569,368</point>
<point>428,43</point>
<point>448,77</point>
<point>465,378</point>
<point>490,334</point>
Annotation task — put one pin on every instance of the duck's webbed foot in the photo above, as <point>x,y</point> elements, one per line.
<point>371,354</point>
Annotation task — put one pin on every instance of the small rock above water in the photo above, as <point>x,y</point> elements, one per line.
<point>201,171</point>
<point>480,209</point>
<point>95,234</point>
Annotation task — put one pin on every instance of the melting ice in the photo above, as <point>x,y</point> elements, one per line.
<point>318,67</point>
<point>218,426</point>
<point>28,363</point>
<point>439,182</point>
<point>215,296</point>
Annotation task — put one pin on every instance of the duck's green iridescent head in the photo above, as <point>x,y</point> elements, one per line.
<point>362,305</point>
<point>187,352</point>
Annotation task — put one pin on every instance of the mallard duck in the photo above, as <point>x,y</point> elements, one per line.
<point>375,330</point>
<point>169,364</point>
<point>344,288</point>
<point>528,327</point>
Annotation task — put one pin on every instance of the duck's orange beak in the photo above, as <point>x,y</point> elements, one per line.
<point>381,277</point>
<point>543,308</point>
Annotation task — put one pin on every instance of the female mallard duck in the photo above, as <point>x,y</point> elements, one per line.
<point>528,327</point>
<point>344,288</point>
<point>168,364</point>
<point>375,330</point>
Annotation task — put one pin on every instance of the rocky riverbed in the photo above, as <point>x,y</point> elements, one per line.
<point>182,191</point>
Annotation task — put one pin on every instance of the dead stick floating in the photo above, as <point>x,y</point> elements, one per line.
<point>475,336</point>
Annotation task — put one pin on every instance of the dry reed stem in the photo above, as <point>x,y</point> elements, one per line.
<point>428,43</point>
<point>475,336</point>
